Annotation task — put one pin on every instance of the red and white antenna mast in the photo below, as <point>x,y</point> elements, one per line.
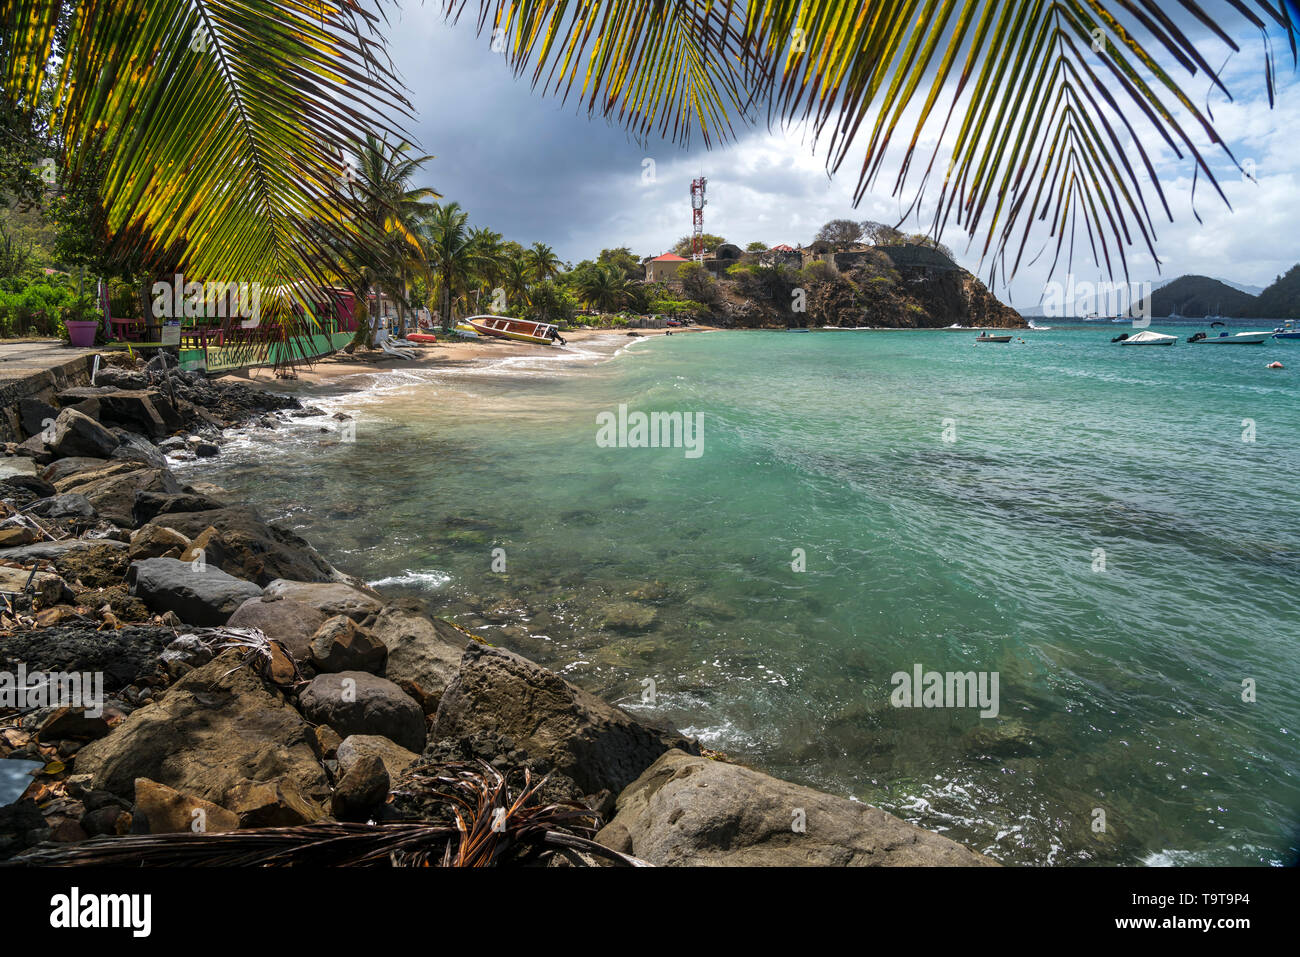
<point>698,202</point>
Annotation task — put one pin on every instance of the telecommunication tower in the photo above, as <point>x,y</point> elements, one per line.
<point>698,202</point>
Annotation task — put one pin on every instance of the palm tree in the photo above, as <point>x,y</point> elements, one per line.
<point>604,288</point>
<point>492,259</point>
<point>455,260</point>
<point>545,264</point>
<point>218,128</point>
<point>391,211</point>
<point>518,274</point>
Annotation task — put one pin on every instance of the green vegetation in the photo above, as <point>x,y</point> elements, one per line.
<point>683,246</point>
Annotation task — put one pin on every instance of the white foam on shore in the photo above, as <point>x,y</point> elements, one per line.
<point>427,580</point>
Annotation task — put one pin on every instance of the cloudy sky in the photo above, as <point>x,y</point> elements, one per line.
<point>537,170</point>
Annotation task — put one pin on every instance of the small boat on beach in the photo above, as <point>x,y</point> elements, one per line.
<point>985,337</point>
<point>1145,338</point>
<point>520,330</point>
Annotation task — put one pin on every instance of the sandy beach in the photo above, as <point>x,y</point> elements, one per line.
<point>452,352</point>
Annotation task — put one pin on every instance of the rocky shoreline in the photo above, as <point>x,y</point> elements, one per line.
<point>250,688</point>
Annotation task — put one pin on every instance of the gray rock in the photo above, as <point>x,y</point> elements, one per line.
<point>33,414</point>
<point>597,745</point>
<point>356,702</point>
<point>50,551</point>
<point>206,597</point>
<point>121,378</point>
<point>76,434</point>
<point>340,644</point>
<point>332,598</point>
<point>688,810</point>
<point>290,622</point>
<point>67,505</point>
<point>135,448</point>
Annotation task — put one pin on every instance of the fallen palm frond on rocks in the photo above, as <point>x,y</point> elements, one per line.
<point>273,660</point>
<point>494,825</point>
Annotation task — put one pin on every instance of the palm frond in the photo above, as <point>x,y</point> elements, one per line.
<point>217,128</point>
<point>661,66</point>
<point>1050,109</point>
<point>495,824</point>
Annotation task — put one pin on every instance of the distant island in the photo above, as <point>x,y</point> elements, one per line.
<point>1194,297</point>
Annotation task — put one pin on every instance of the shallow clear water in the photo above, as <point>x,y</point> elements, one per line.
<point>15,777</point>
<point>1120,689</point>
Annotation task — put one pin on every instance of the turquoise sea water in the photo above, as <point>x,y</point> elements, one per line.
<point>1120,688</point>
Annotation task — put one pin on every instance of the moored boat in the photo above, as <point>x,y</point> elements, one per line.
<point>1287,330</point>
<point>1146,338</point>
<point>1231,339</point>
<point>985,337</point>
<point>520,330</point>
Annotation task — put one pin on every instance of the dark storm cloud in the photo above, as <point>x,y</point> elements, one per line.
<point>525,165</point>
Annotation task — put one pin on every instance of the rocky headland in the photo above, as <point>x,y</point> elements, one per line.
<point>251,688</point>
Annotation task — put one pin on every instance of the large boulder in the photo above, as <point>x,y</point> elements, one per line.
<point>199,595</point>
<point>290,622</point>
<point>112,488</point>
<point>121,655</point>
<point>149,505</point>
<point>423,651</point>
<point>597,745</point>
<point>220,733</point>
<point>257,550</point>
<point>332,598</point>
<point>689,810</point>
<point>35,415</point>
<point>76,434</point>
<point>139,410</point>
<point>89,475</point>
<point>356,702</point>
<point>57,471</point>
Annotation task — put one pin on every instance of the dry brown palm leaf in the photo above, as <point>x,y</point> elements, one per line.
<point>524,832</point>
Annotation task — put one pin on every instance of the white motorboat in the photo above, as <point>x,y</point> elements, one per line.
<point>1231,339</point>
<point>1146,338</point>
